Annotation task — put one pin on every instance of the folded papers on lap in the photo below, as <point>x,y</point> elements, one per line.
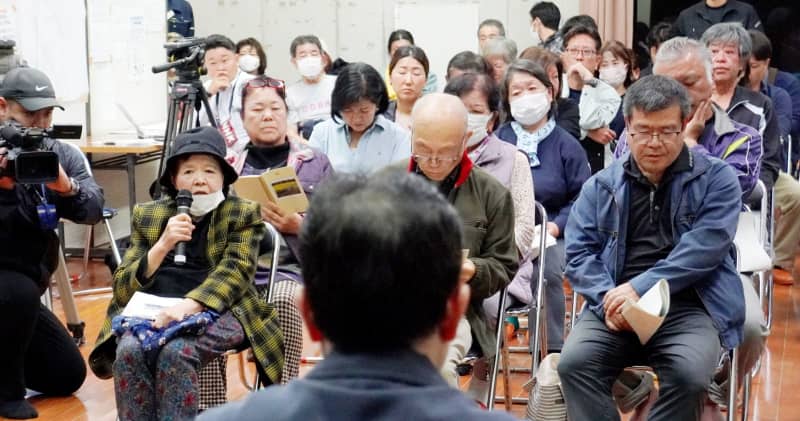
<point>646,315</point>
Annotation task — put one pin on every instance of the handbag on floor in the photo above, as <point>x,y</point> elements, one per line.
<point>546,399</point>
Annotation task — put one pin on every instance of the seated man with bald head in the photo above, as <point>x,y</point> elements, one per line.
<point>384,318</point>
<point>439,134</point>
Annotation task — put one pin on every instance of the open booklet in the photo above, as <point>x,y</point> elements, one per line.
<point>279,186</point>
<point>646,315</point>
<point>147,306</point>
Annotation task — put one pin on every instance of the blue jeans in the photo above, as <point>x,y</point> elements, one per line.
<point>683,353</point>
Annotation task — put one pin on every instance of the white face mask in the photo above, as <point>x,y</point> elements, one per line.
<point>476,123</point>
<point>249,63</point>
<point>535,35</point>
<point>205,203</point>
<point>310,67</point>
<point>614,75</point>
<point>530,108</point>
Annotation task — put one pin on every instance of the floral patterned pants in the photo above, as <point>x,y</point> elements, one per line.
<point>168,389</point>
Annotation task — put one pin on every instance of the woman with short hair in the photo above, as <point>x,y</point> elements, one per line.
<point>558,164</point>
<point>358,138</point>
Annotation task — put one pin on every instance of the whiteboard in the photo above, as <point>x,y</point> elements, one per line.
<point>434,26</point>
<point>125,40</point>
<point>51,36</point>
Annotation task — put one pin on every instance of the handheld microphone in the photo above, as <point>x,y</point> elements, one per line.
<point>184,199</point>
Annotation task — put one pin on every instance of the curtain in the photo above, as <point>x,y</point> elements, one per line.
<point>615,18</point>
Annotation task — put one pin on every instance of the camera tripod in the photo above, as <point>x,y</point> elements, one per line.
<point>186,98</point>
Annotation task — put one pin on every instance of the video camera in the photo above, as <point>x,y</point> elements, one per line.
<point>28,160</point>
<point>185,56</point>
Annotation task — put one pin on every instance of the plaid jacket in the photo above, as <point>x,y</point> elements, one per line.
<point>233,238</point>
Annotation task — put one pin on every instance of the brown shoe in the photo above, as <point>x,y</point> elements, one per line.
<point>782,277</point>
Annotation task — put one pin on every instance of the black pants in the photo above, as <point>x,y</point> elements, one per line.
<point>37,351</point>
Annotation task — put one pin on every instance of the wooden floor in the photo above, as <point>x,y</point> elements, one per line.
<point>776,388</point>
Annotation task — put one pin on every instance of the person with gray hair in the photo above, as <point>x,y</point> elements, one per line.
<point>499,53</point>
<point>490,29</point>
<point>711,132</point>
<point>730,45</point>
<point>665,212</point>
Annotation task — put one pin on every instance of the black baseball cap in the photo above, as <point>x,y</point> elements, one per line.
<point>30,87</point>
<point>200,140</point>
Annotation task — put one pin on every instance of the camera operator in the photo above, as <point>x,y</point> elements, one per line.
<point>224,86</point>
<point>38,353</point>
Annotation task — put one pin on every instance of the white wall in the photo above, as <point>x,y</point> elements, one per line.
<point>356,29</point>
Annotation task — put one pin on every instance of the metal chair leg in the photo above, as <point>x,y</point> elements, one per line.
<point>498,350</point>
<point>113,242</point>
<point>732,386</point>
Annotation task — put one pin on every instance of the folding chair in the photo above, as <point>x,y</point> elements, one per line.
<point>537,334</point>
<point>764,222</point>
<point>213,377</point>
<point>752,256</point>
<point>108,213</point>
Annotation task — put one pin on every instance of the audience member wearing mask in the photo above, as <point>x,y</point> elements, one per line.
<point>490,29</point>
<point>357,137</point>
<point>224,87</point>
<point>545,18</point>
<point>408,72</point>
<point>616,69</point>
<point>567,113</point>
<point>557,163</point>
<point>265,118</point>
<point>598,102</point>
<point>402,38</point>
<point>252,59</point>
<point>309,98</point>
<point>510,167</point>
<point>155,364</point>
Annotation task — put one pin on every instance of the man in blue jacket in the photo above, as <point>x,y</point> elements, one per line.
<point>662,212</point>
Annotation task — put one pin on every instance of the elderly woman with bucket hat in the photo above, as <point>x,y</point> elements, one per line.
<point>155,364</point>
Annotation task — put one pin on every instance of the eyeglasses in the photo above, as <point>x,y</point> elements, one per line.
<point>575,52</point>
<point>267,82</point>
<point>435,160</point>
<point>664,137</point>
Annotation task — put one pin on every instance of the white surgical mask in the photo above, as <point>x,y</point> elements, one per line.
<point>249,63</point>
<point>476,123</point>
<point>614,75</point>
<point>535,35</point>
<point>530,108</point>
<point>205,203</point>
<point>310,67</point>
